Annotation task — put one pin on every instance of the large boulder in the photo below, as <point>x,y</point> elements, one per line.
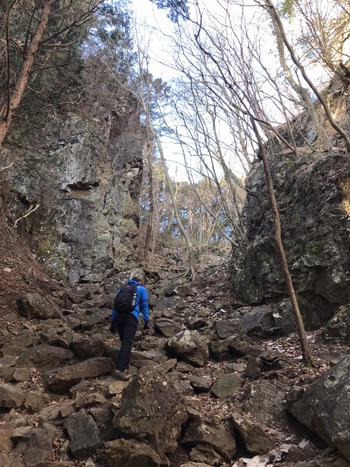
<point>189,346</point>
<point>34,305</point>
<point>84,435</point>
<point>324,407</point>
<point>62,379</point>
<point>312,192</point>
<point>152,410</point>
<point>210,442</point>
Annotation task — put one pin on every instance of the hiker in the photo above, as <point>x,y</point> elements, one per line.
<point>133,300</point>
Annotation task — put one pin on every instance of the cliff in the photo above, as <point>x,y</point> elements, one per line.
<point>79,172</point>
<point>312,186</point>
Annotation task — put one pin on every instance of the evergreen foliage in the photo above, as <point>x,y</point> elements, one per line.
<point>59,77</point>
<point>177,8</point>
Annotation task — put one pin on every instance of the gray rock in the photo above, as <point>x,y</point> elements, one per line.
<point>83,434</point>
<point>166,327</point>
<point>151,409</point>
<point>33,305</point>
<point>35,445</point>
<point>255,439</point>
<point>235,346</point>
<point>259,321</point>
<point>45,357</point>
<point>228,386</point>
<point>86,347</point>
<point>325,407</point>
<point>35,401</point>
<point>228,327</point>
<point>132,453</point>
<point>339,326</point>
<point>265,400</point>
<point>209,437</point>
<point>62,379</point>
<point>189,346</point>
<point>10,396</point>
<point>316,245</point>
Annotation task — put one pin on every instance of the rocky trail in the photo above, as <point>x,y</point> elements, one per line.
<point>210,385</point>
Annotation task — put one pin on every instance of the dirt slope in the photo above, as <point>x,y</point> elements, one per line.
<point>19,270</point>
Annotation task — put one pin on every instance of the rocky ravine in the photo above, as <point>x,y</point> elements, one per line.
<point>208,388</point>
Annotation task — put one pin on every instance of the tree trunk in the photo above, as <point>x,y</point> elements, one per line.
<point>278,234</point>
<point>16,95</point>
<point>150,228</point>
<point>191,259</point>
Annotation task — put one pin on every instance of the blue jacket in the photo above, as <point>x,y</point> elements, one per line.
<point>141,303</point>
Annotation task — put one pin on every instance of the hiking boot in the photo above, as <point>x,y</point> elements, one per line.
<point>121,376</point>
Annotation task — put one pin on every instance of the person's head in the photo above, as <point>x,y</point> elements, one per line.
<point>136,279</point>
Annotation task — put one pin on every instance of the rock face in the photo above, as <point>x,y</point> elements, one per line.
<point>84,181</point>
<point>312,190</point>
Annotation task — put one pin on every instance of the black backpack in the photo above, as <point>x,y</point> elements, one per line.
<point>125,300</point>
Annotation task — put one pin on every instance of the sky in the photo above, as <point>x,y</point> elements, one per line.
<point>152,27</point>
<point>150,21</point>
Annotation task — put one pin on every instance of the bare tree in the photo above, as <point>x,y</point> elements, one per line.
<point>238,82</point>
<point>281,37</point>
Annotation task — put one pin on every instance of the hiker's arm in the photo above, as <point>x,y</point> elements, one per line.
<point>144,305</point>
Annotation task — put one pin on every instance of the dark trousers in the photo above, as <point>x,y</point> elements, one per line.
<point>126,328</point>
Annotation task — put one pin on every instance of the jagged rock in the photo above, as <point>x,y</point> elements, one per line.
<point>6,430</point>
<point>189,346</point>
<point>228,327</point>
<point>84,435</point>
<point>199,384</point>
<point>217,442</point>
<point>35,446</point>
<point>166,327</point>
<point>266,401</point>
<point>56,411</point>
<point>33,305</point>
<point>16,374</point>
<point>316,246</point>
<point>283,317</point>
<point>197,322</point>
<point>35,401</point>
<point>339,326</point>
<point>254,437</point>
<point>78,294</point>
<point>27,338</point>
<point>102,300</point>
<point>151,410</point>
<point>88,230</point>
<point>55,332</point>
<point>95,320</point>
<point>45,357</point>
<point>132,453</point>
<point>302,452</point>
<point>325,407</point>
<point>86,347</point>
<point>259,321</point>
<point>10,396</point>
<point>253,367</point>
<point>86,400</point>
<point>234,346</point>
<point>64,378</point>
<point>168,303</point>
<point>227,386</point>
